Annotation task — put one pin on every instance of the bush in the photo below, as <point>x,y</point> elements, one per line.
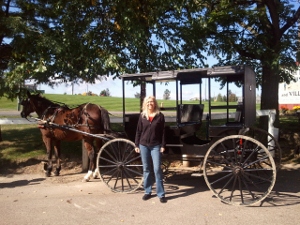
<point>137,95</point>
<point>105,92</point>
<point>167,94</point>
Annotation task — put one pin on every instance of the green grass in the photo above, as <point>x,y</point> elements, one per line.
<point>21,143</point>
<point>7,104</point>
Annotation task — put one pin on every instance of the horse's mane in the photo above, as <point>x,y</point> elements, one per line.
<point>56,103</point>
<point>51,103</point>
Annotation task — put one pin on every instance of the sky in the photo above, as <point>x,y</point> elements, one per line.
<point>115,89</point>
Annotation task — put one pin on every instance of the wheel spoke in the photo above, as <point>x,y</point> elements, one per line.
<point>221,179</point>
<point>233,187</point>
<point>109,155</point>
<point>219,164</point>
<point>109,177</point>
<point>257,177</point>
<point>228,182</point>
<point>108,161</point>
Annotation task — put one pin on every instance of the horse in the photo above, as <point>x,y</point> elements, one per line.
<point>87,117</point>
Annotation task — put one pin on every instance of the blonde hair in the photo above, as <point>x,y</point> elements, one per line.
<point>144,108</point>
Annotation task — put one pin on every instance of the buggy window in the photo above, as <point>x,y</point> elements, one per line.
<point>190,113</point>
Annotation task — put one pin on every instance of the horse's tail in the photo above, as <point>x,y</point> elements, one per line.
<point>105,120</point>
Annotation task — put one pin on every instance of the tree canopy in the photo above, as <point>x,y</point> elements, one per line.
<point>50,40</point>
<point>81,40</point>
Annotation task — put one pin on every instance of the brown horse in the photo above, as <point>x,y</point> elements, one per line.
<point>88,118</point>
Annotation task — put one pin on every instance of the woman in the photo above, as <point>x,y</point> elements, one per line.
<point>150,143</point>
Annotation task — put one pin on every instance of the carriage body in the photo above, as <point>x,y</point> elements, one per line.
<point>187,117</point>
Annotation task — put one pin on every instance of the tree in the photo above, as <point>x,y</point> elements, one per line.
<point>46,42</point>
<point>0,134</point>
<point>232,98</point>
<point>137,95</point>
<point>224,98</point>
<point>261,33</point>
<point>167,94</point>
<point>105,92</point>
<point>219,98</point>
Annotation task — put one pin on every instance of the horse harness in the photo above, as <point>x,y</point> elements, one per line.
<point>57,109</point>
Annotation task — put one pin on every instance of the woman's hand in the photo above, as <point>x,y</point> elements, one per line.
<point>162,150</point>
<point>137,150</point>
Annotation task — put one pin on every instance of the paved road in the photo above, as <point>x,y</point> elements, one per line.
<point>10,117</point>
<point>33,199</point>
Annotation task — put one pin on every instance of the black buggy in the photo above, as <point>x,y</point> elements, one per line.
<point>239,162</point>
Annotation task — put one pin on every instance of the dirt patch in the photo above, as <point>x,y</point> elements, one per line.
<point>290,146</point>
<point>67,168</point>
<point>36,166</point>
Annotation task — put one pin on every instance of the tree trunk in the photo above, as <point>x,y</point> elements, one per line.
<point>143,93</point>
<point>0,134</point>
<point>269,94</point>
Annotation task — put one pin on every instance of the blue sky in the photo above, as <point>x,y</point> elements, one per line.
<point>115,89</point>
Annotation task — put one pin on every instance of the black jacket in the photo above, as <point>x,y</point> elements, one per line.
<point>151,133</point>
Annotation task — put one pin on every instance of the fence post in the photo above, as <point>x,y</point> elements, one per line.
<point>85,159</point>
<point>271,129</point>
<point>0,134</point>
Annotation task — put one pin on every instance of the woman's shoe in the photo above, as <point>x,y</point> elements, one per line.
<point>146,197</point>
<point>163,200</point>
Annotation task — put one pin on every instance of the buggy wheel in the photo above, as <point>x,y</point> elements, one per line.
<point>165,165</point>
<point>120,167</point>
<point>268,140</point>
<point>239,170</point>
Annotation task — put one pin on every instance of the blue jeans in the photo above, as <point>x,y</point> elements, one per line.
<point>152,156</point>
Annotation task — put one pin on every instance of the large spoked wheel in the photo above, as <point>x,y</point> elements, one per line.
<point>120,167</point>
<point>239,170</point>
<point>268,140</point>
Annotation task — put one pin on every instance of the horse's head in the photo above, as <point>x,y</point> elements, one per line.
<point>27,106</point>
<point>36,103</point>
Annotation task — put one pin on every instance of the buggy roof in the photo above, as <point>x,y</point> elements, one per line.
<point>189,76</point>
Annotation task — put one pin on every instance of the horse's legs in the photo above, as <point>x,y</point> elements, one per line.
<point>98,144</point>
<point>56,147</point>
<point>88,144</point>
<point>48,166</point>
